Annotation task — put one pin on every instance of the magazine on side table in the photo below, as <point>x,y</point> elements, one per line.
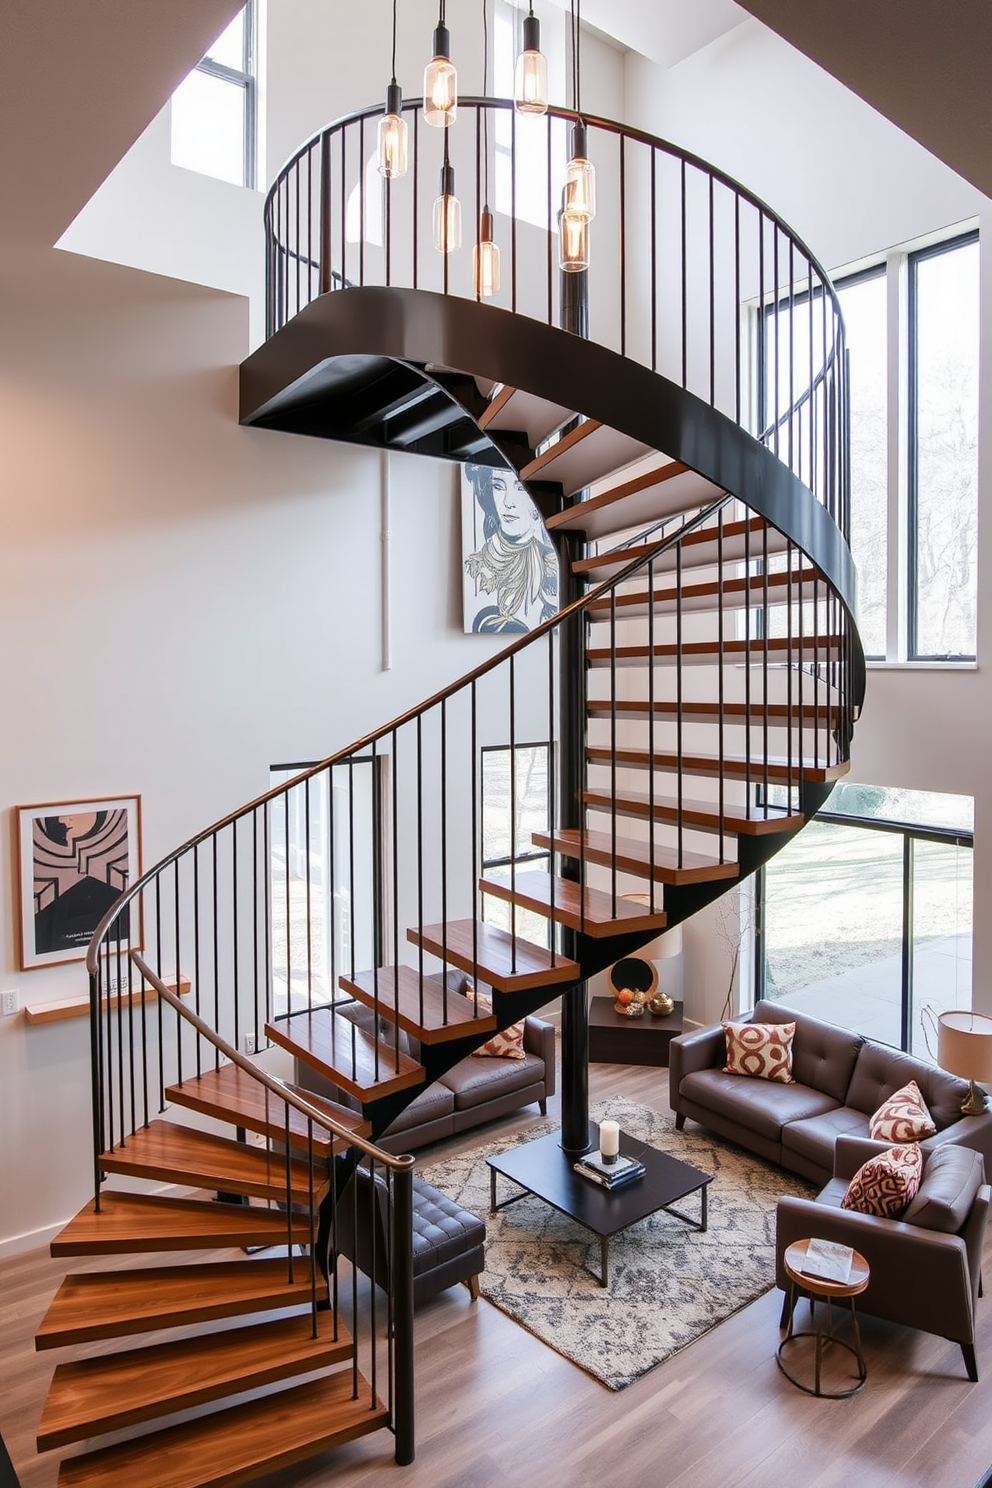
<point>828,1260</point>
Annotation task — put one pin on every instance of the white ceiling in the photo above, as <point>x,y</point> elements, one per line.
<point>924,64</point>
<point>666,31</point>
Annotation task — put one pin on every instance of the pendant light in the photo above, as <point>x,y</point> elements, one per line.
<point>530,78</point>
<point>573,243</point>
<point>486,254</point>
<point>391,139</point>
<point>447,210</point>
<point>440,80</point>
<point>578,204</point>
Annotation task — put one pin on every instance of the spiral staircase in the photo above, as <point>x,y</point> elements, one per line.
<point>697,691</point>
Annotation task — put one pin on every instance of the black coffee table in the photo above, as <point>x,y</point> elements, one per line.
<point>541,1168</point>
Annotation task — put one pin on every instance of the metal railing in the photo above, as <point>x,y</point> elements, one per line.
<point>128,1010</point>
<point>677,248</point>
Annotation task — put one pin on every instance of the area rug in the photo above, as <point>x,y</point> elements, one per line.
<point>668,1284</point>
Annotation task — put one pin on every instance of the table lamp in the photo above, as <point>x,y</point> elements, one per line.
<point>964,1047</point>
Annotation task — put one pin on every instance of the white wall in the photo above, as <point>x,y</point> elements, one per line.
<point>182,603</point>
<point>852,185</point>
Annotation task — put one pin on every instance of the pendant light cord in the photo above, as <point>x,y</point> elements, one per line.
<point>576,71</point>
<point>485,111</point>
<point>394,41</point>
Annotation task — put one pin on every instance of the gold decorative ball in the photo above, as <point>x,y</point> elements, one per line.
<point>661,1005</point>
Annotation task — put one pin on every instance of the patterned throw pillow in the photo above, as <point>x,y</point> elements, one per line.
<point>902,1118</point>
<point>763,1050</point>
<point>508,1043</point>
<point>885,1184</point>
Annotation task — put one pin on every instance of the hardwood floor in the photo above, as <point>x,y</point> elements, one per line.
<point>498,1409</point>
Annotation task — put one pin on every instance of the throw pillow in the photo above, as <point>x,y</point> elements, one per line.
<point>902,1118</point>
<point>508,1043</point>
<point>885,1184</point>
<point>762,1050</point>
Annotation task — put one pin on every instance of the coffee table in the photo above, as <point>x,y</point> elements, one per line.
<point>542,1169</point>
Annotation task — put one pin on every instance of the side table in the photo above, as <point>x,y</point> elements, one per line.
<point>818,1288</point>
<point>615,1039</point>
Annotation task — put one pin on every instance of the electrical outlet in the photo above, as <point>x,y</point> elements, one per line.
<point>249,1043</point>
<point>8,1004</point>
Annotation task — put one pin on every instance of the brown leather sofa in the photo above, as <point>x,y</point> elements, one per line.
<point>926,1266</point>
<point>840,1079</point>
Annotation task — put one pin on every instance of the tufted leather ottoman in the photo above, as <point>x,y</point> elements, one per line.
<point>448,1241</point>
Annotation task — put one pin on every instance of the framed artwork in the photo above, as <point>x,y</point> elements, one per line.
<point>509,567</point>
<point>75,860</point>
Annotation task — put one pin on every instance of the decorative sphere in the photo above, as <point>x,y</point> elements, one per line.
<point>661,1005</point>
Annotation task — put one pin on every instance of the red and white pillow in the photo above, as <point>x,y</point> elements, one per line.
<point>903,1117</point>
<point>508,1043</point>
<point>886,1184</point>
<point>761,1050</point>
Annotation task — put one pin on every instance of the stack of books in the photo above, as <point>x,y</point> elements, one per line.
<point>610,1174</point>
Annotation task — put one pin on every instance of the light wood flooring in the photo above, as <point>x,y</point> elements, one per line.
<point>498,1409</point>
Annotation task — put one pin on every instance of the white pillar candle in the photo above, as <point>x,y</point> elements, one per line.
<point>609,1139</point>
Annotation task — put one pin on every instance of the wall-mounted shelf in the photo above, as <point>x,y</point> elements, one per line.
<point>79,1007</point>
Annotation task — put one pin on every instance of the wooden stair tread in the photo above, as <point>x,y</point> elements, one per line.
<point>757,710</point>
<point>507,964</point>
<point>350,1057</point>
<point>421,1007</point>
<point>778,649</point>
<point>586,454</point>
<point>89,1397</point>
<point>531,889</point>
<point>513,409</point>
<point>149,1222</point>
<point>235,1445</point>
<point>230,1094</point>
<point>665,491</point>
<point>736,767</point>
<point>738,820</point>
<point>180,1154</point>
<point>668,866</point>
<point>782,587</point>
<point>95,1304</point>
<point>701,548</point>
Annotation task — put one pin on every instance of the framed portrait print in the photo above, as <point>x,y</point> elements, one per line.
<point>509,567</point>
<point>75,860</point>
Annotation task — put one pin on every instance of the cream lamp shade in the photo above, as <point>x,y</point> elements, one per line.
<point>964,1048</point>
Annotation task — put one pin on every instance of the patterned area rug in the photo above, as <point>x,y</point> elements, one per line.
<point>668,1284</point>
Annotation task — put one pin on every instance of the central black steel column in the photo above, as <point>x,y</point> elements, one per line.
<point>572,728</point>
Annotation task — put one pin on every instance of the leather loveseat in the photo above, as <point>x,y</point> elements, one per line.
<point>472,1092</point>
<point>840,1079</point>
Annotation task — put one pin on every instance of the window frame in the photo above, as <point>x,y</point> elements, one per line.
<point>911,833</point>
<point>245,78</point>
<point>898,266</point>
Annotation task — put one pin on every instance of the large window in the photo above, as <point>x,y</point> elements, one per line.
<point>943,429</point>
<point>912,326</point>
<point>213,109</point>
<point>865,918</point>
<point>516,802</point>
<point>325,878</point>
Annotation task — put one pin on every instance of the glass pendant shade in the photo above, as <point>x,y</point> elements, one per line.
<point>440,84</point>
<point>447,214</point>
<point>391,141</point>
<point>486,258</point>
<point>530,82</point>
<point>580,179</point>
<point>573,243</point>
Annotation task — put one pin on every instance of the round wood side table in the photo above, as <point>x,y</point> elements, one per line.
<point>817,1288</point>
